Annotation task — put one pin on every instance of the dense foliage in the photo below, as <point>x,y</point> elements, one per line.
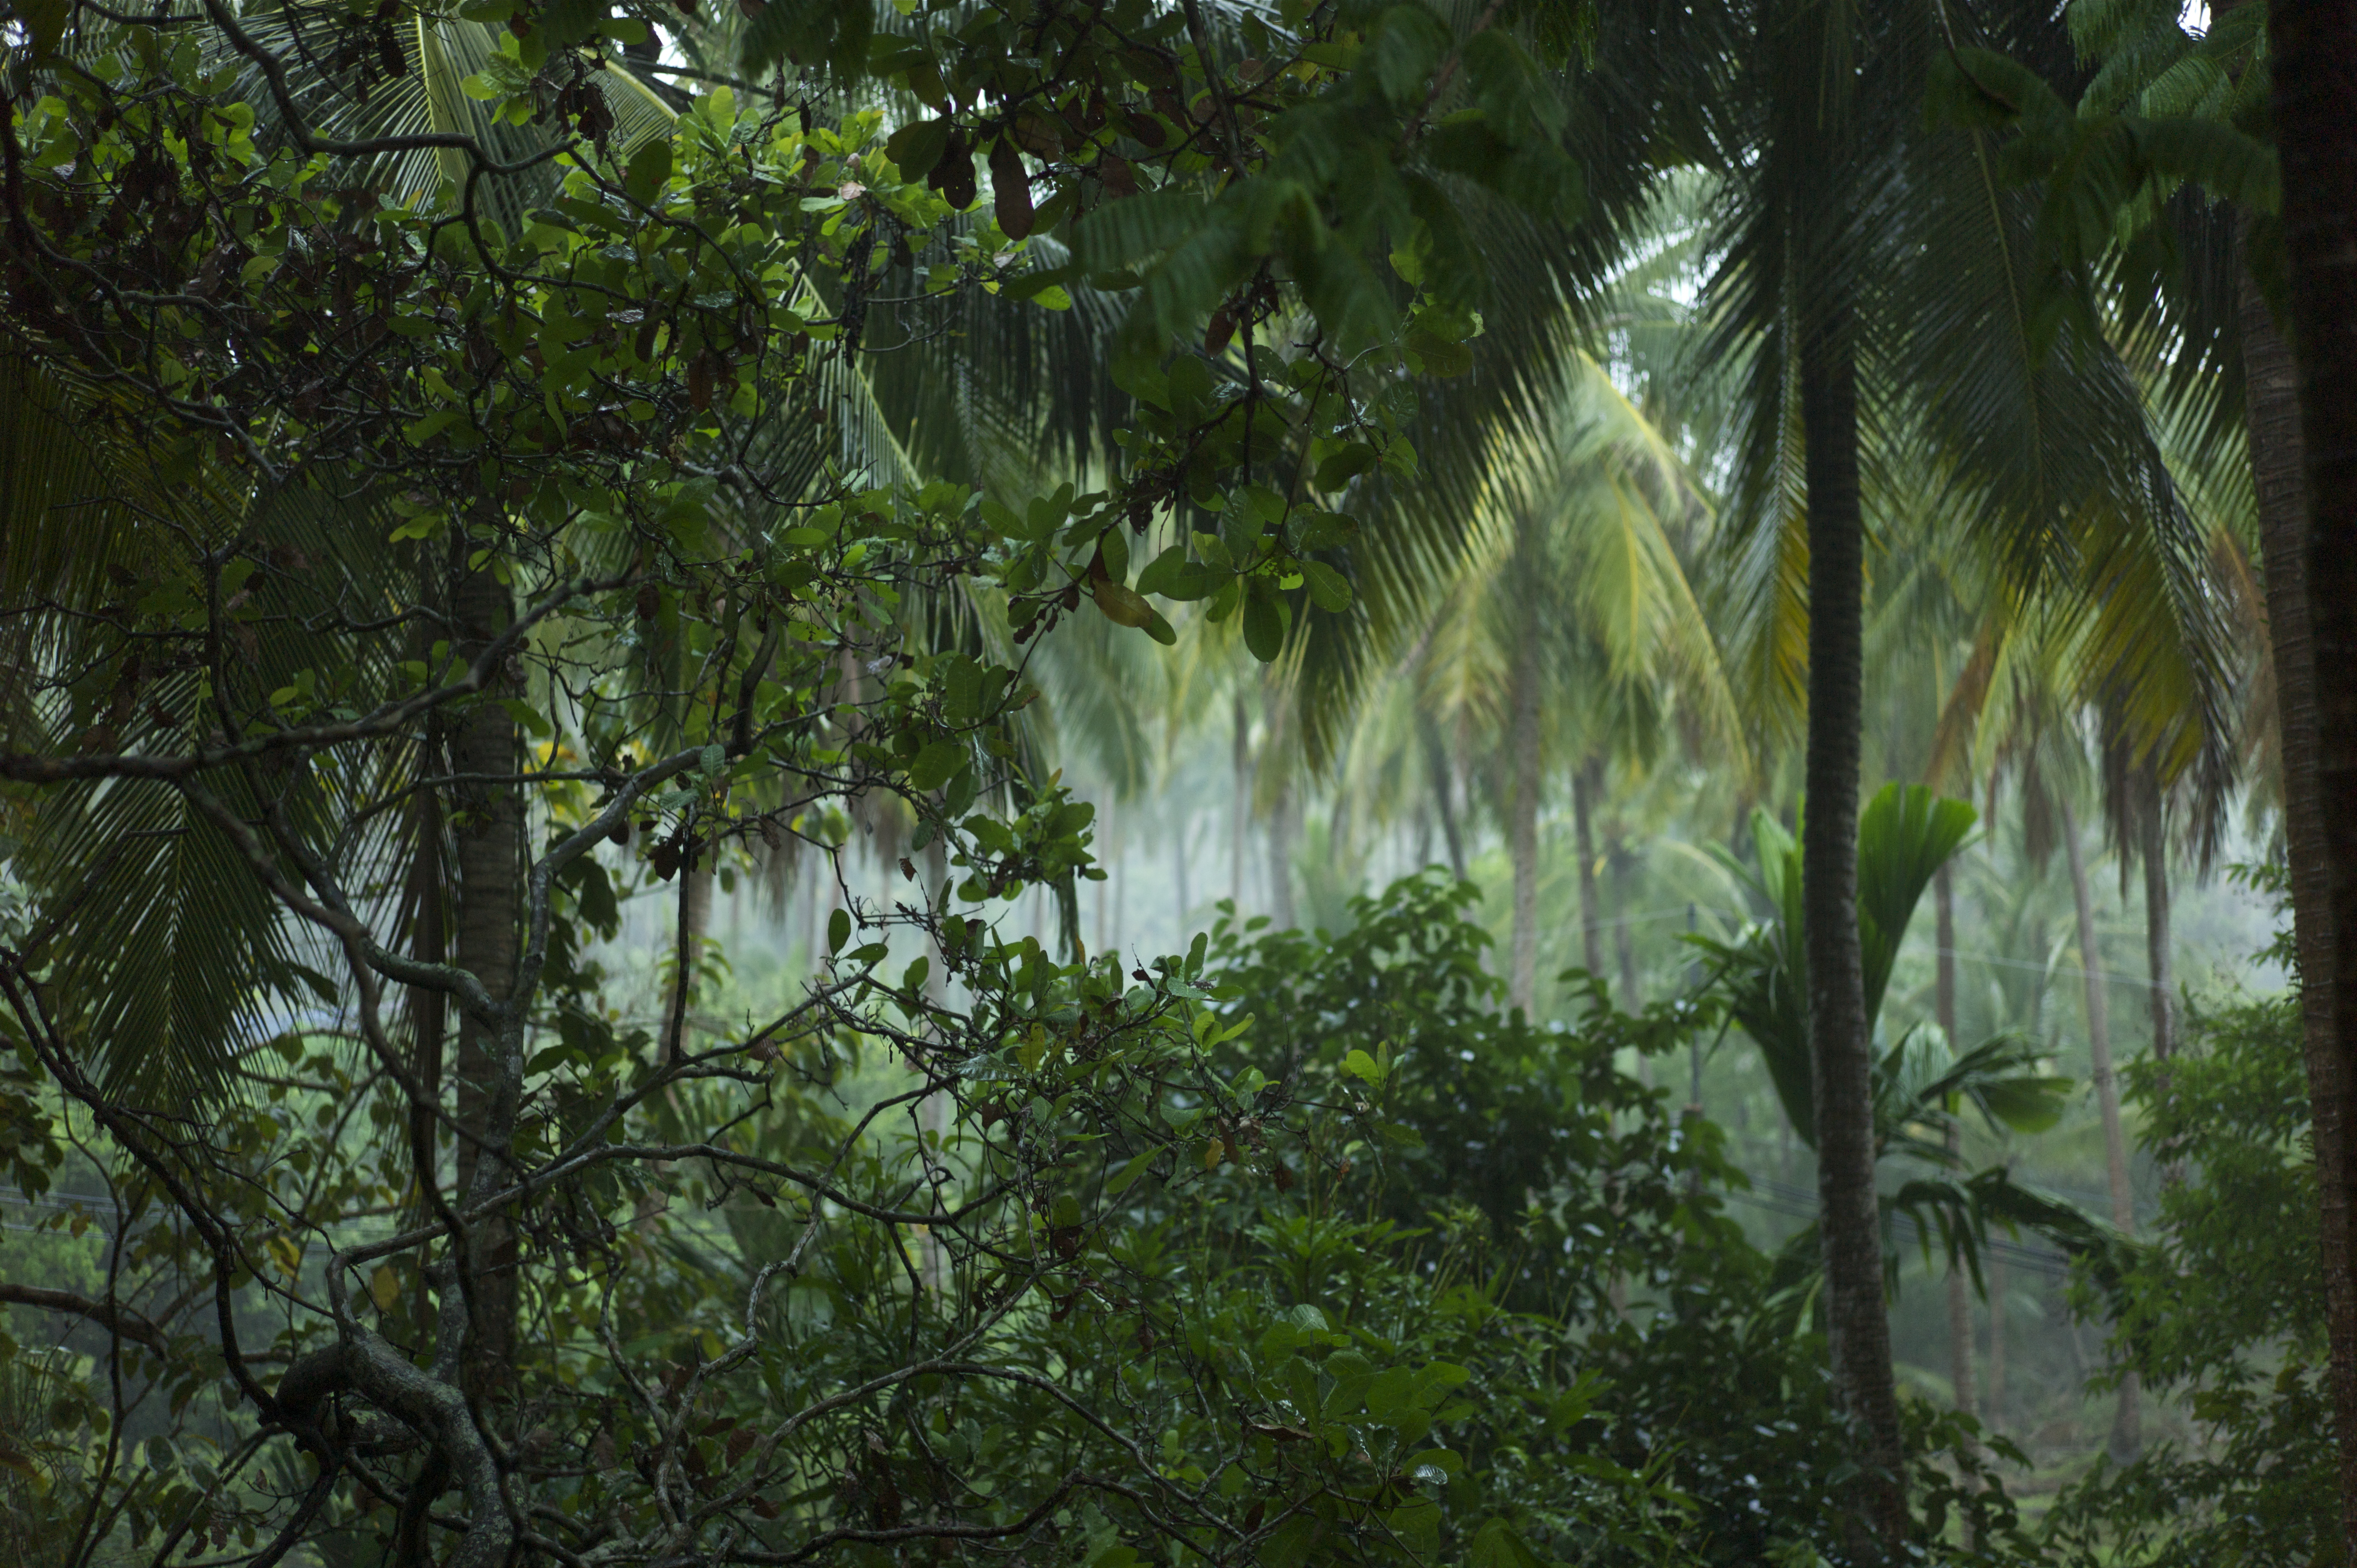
<point>2226,1311</point>
<point>465,474</point>
<point>416,530</point>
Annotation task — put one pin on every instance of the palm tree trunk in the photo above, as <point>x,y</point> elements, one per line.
<point>2127,1432</point>
<point>1944,995</point>
<point>1178,872</point>
<point>1583,805</point>
<point>1104,888</point>
<point>1849,1228</point>
<point>1280,858</point>
<point>2159,963</point>
<point>490,817</point>
<point>1444,795</point>
<point>2160,967</point>
<point>1239,810</point>
<point>1523,826</point>
<point>1998,1283</point>
<point>2280,472</point>
<point>1624,937</point>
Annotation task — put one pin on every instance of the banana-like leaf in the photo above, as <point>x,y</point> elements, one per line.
<point>1956,1214</point>
<point>1905,836</point>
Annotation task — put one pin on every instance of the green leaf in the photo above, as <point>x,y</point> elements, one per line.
<point>1408,43</point>
<point>1263,623</point>
<point>649,171</point>
<point>44,24</point>
<point>1328,589</point>
<point>1440,357</point>
<point>1904,836</point>
<point>1497,1546</point>
<point>1123,1179</point>
<point>1163,571</point>
<point>935,763</point>
<point>915,149</point>
<point>1345,466</point>
<point>838,929</point>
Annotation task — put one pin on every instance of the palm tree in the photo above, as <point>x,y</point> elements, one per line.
<point>1580,615</point>
<point>1873,290</point>
<point>2313,58</point>
<point>1907,839</point>
<point>2289,400</point>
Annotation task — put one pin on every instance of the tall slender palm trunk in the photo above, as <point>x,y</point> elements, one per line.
<point>1522,824</point>
<point>2160,967</point>
<point>2126,1423</point>
<point>1103,933</point>
<point>1584,782</point>
<point>489,820</point>
<point>2000,1281</point>
<point>1282,826</point>
<point>2303,424</point>
<point>1944,997</point>
<point>1178,872</point>
<point>1624,934</point>
<point>1443,794</point>
<point>1849,1228</point>
<point>1239,809</point>
<point>2159,942</point>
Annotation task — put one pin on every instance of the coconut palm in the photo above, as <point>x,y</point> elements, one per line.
<point>2274,289</point>
<point>1872,289</point>
<point>1581,618</point>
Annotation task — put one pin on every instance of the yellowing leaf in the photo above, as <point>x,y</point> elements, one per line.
<point>1122,605</point>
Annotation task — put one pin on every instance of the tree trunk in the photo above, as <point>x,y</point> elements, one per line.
<point>1624,936</point>
<point>489,823</point>
<point>1999,1281</point>
<point>1523,826</point>
<point>2305,468</point>
<point>1104,822</point>
<point>429,1013</point>
<point>2159,961</point>
<point>1240,811</point>
<point>2160,964</point>
<point>1850,1227</point>
<point>1960,1298</point>
<point>2126,1426</point>
<point>1583,805</point>
<point>1280,858</point>
<point>1179,869</point>
<point>695,921</point>
<point>1444,795</point>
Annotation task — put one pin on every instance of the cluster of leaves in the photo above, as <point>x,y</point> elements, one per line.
<point>367,530</point>
<point>1921,1082</point>
<point>2226,1309</point>
<point>1229,1256</point>
<point>1527,1169</point>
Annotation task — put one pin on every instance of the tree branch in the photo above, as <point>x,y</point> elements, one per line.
<point>122,1320</point>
